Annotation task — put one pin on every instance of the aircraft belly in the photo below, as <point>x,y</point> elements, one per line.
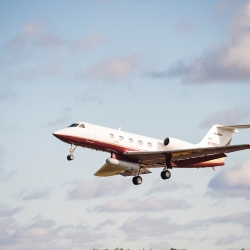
<point>203,165</point>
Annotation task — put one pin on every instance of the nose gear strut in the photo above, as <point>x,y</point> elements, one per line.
<point>71,156</point>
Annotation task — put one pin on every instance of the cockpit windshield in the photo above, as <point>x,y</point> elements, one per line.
<point>77,125</point>
<point>73,125</point>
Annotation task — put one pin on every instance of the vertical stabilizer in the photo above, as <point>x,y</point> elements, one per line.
<point>217,136</point>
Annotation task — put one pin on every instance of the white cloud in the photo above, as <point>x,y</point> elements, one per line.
<point>26,47</point>
<point>5,211</point>
<point>5,175</point>
<point>226,117</point>
<point>137,227</point>
<point>158,187</point>
<point>112,71</point>
<point>107,222</point>
<point>4,225</point>
<point>46,234</point>
<point>238,177</point>
<point>147,205</point>
<point>143,226</point>
<point>49,41</point>
<point>228,63</point>
<point>241,218</point>
<point>224,6</point>
<point>231,182</point>
<point>30,29</point>
<point>238,218</point>
<point>20,42</point>
<point>89,189</point>
<point>227,240</point>
<point>32,34</point>
<point>36,194</point>
<point>85,44</point>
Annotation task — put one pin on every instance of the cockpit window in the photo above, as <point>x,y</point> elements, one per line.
<point>74,125</point>
<point>82,126</point>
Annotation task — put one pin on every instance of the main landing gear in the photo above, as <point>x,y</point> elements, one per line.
<point>165,174</point>
<point>71,156</point>
<point>137,180</point>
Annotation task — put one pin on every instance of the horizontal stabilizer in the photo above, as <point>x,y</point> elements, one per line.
<point>232,127</point>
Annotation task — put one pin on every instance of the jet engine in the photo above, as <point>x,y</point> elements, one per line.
<point>166,141</point>
<point>172,143</point>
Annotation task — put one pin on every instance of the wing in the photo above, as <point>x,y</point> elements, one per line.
<point>185,156</point>
<point>110,170</point>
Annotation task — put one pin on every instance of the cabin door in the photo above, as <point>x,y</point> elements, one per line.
<point>91,133</point>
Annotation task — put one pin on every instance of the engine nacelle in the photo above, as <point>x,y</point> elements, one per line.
<point>172,143</point>
<point>166,141</point>
<point>125,164</point>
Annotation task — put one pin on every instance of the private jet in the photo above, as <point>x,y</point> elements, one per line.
<point>133,155</point>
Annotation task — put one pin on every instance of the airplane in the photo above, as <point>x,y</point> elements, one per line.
<point>133,155</point>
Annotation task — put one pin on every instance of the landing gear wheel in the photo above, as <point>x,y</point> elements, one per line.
<point>137,180</point>
<point>165,174</point>
<point>70,157</point>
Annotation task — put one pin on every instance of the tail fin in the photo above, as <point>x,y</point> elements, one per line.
<point>220,135</point>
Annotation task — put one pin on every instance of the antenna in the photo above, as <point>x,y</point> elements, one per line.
<point>119,128</point>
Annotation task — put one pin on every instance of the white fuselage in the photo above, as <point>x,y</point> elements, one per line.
<point>117,141</point>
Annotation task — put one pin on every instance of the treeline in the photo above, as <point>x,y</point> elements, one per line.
<point>142,249</point>
<point>139,249</point>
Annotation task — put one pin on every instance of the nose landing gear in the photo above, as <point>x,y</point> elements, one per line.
<point>71,156</point>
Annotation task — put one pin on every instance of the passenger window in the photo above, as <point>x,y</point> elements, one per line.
<point>111,136</point>
<point>121,138</point>
<point>149,144</point>
<point>82,126</point>
<point>140,142</point>
<point>130,140</point>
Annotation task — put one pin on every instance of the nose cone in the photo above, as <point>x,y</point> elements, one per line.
<point>58,134</point>
<point>65,135</point>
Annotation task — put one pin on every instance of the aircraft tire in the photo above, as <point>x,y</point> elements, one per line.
<point>70,157</point>
<point>137,180</point>
<point>165,174</point>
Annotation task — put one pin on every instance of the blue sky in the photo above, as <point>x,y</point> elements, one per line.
<point>156,68</point>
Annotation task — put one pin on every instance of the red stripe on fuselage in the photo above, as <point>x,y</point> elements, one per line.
<point>119,149</point>
<point>99,145</point>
